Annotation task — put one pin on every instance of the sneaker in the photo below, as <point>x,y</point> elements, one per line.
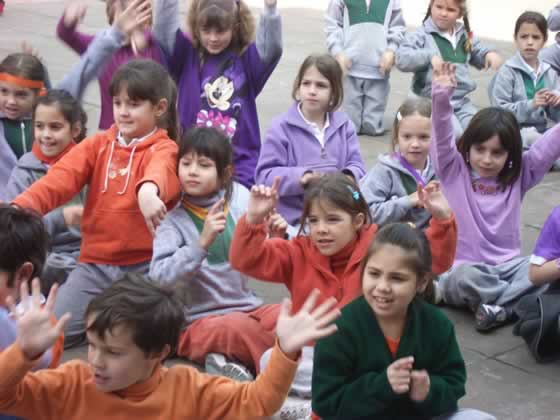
<point>217,364</point>
<point>488,317</point>
<point>295,409</point>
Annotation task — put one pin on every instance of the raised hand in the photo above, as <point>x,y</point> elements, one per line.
<point>214,224</point>
<point>131,20</point>
<point>437,63</point>
<point>419,385</point>
<point>398,374</point>
<point>276,225</point>
<point>493,61</point>
<point>387,61</point>
<point>73,215</point>
<point>445,75</point>
<point>262,201</point>
<point>151,206</point>
<point>27,48</point>
<point>35,331</point>
<point>432,199</point>
<point>74,13</point>
<point>311,323</point>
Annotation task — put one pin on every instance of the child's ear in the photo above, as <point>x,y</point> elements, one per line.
<point>359,221</point>
<point>161,107</point>
<point>165,353</point>
<point>76,130</point>
<point>422,283</point>
<point>23,274</point>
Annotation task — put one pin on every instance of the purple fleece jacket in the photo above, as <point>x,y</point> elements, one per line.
<point>488,219</point>
<point>290,149</point>
<point>79,42</point>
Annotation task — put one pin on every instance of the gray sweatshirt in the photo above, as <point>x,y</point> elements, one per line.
<point>29,169</point>
<point>362,31</point>
<point>386,188</point>
<point>554,21</point>
<point>415,55</point>
<point>207,282</point>
<point>508,90</point>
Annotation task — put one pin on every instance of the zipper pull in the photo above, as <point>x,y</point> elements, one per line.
<point>23,139</point>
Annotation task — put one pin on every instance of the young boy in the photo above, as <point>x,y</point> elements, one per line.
<point>23,250</point>
<point>132,327</point>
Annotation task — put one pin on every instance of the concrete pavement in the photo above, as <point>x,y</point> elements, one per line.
<point>503,378</point>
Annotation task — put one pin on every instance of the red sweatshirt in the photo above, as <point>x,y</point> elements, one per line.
<point>301,267</point>
<point>113,228</point>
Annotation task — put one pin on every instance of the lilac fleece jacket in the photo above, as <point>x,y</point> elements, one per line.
<point>488,223</point>
<point>79,42</point>
<point>290,149</point>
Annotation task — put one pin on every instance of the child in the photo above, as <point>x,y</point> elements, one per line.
<point>394,356</point>
<point>138,43</point>
<point>220,70</point>
<point>59,123</point>
<point>485,177</point>
<point>191,251</point>
<point>524,84</point>
<point>22,79</point>
<point>390,186</point>
<point>132,327</point>
<point>311,139</point>
<point>131,178</point>
<point>551,54</point>
<point>443,38</point>
<point>545,264</point>
<point>23,248</point>
<point>364,35</point>
<point>338,221</point>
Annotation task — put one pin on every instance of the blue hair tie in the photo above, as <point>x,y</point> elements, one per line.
<point>355,194</point>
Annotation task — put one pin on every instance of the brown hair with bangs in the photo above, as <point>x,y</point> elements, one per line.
<point>339,190</point>
<point>412,106</point>
<point>222,15</point>
<point>330,70</point>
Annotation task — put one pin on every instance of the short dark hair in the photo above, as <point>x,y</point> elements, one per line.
<point>139,78</point>
<point>153,313</point>
<point>330,70</point>
<point>536,19</point>
<point>23,238</point>
<point>489,122</point>
<point>213,144</point>
<point>411,239</point>
<point>68,106</point>
<point>339,190</point>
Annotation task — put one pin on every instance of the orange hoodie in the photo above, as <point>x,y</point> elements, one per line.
<point>301,267</point>
<point>180,392</point>
<point>113,228</point>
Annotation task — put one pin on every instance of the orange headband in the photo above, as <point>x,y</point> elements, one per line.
<point>25,83</point>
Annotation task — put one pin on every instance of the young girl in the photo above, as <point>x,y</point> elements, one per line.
<point>524,84</point>
<point>191,251</point>
<point>59,123</point>
<point>338,221</point>
<point>390,187</point>
<point>138,43</point>
<point>443,38</point>
<point>311,139</point>
<point>394,356</point>
<point>131,178</point>
<point>220,70</point>
<point>485,177</point>
<point>364,35</point>
<point>551,54</point>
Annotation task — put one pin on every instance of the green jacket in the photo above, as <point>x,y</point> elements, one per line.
<point>350,367</point>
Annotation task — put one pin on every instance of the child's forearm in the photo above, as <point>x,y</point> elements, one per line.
<point>546,273</point>
<point>269,35</point>
<point>334,21</point>
<point>166,24</point>
<point>71,37</point>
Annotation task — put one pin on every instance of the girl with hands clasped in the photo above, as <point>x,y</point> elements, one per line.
<point>394,356</point>
<point>485,176</point>
<point>526,85</point>
<point>336,217</point>
<point>130,171</point>
<point>443,37</point>
<point>311,139</point>
<point>228,327</point>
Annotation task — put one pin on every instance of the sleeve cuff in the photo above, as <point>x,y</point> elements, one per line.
<point>536,260</point>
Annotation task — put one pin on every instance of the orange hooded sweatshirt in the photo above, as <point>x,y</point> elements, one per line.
<point>113,228</point>
<point>301,267</point>
<point>180,392</point>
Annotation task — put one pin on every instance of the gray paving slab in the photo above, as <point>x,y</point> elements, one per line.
<point>503,378</point>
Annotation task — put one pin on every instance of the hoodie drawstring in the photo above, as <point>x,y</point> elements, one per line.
<point>128,170</point>
<point>106,183</point>
<point>23,138</point>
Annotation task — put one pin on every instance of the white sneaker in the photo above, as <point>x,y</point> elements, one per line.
<point>295,409</point>
<point>217,364</point>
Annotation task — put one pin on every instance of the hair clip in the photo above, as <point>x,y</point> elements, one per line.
<point>399,116</point>
<point>355,194</point>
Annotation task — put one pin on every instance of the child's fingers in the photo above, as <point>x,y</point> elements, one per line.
<point>276,184</point>
<point>24,294</point>
<point>309,303</point>
<point>403,362</point>
<point>11,304</point>
<point>51,298</point>
<point>60,324</point>
<point>324,307</point>
<point>325,331</point>
<point>285,308</point>
<point>36,292</point>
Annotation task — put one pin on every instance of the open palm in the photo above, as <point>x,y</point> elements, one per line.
<point>444,75</point>
<point>262,201</point>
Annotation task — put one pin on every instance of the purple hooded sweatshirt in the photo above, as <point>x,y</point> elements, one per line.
<point>290,149</point>
<point>220,90</point>
<point>488,218</point>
